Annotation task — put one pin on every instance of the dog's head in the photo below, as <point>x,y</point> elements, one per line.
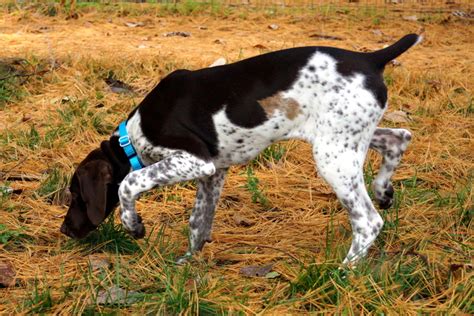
<point>94,194</point>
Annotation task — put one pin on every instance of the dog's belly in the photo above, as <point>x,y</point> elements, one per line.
<point>238,145</point>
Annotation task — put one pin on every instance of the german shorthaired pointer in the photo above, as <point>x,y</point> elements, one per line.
<point>195,124</point>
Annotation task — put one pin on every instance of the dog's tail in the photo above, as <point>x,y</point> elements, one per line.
<point>383,56</point>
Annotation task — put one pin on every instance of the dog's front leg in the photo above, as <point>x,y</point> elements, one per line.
<point>200,223</point>
<point>178,167</point>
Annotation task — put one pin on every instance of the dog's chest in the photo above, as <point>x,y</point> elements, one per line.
<point>146,151</point>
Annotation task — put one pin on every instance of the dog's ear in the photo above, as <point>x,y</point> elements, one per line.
<point>93,180</point>
<point>116,156</point>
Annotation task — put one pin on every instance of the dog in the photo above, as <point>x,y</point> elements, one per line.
<point>195,124</point>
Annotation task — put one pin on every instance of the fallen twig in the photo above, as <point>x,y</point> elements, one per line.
<point>327,37</point>
<point>42,72</point>
<point>449,247</point>
<point>20,177</point>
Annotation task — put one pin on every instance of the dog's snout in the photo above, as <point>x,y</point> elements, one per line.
<point>64,229</point>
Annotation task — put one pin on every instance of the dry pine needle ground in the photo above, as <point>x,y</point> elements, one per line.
<point>57,107</point>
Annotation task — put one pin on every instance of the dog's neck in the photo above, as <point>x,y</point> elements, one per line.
<point>117,157</point>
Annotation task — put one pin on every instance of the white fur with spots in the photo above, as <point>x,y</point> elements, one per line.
<point>337,114</point>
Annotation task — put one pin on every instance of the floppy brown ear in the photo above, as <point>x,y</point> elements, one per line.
<point>94,177</point>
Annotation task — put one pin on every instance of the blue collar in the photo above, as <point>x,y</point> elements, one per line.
<point>127,146</point>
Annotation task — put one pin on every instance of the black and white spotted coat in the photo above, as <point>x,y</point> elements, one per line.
<point>195,124</point>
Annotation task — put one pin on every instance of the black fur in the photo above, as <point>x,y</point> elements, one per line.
<point>177,113</point>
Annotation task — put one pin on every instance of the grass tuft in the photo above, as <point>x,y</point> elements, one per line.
<point>52,188</point>
<point>108,237</point>
<point>253,187</point>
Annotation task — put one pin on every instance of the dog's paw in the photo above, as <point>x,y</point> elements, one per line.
<point>138,230</point>
<point>184,259</point>
<point>385,198</point>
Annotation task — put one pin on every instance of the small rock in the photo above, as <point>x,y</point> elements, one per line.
<point>242,221</point>
<point>395,63</point>
<point>326,37</point>
<point>98,263</point>
<point>435,84</point>
<point>260,46</point>
<point>218,62</point>
<point>256,271</point>
<point>134,24</point>
<point>118,86</point>
<point>182,34</point>
<point>4,190</point>
<point>412,18</point>
<point>272,275</point>
<point>116,295</point>
<point>67,99</point>
<point>397,117</point>
<point>273,27</point>
<point>219,41</point>
<point>377,32</point>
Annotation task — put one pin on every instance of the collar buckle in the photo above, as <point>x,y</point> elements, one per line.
<point>125,143</point>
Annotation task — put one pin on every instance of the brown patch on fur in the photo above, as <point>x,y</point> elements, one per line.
<point>287,105</point>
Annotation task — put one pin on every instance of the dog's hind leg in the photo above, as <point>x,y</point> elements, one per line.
<point>178,167</point>
<point>391,144</point>
<point>342,168</point>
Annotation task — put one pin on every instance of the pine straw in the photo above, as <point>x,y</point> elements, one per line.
<point>304,225</point>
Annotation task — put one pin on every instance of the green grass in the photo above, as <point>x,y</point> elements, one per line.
<point>77,116</point>
<point>166,288</point>
<point>40,300</point>
<point>72,119</point>
<point>270,155</point>
<point>108,237</point>
<point>321,280</point>
<point>53,185</point>
<point>10,90</point>
<point>252,185</point>
<point>5,194</point>
<point>407,277</point>
<point>8,235</point>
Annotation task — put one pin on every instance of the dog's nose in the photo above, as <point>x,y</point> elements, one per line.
<point>65,230</point>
